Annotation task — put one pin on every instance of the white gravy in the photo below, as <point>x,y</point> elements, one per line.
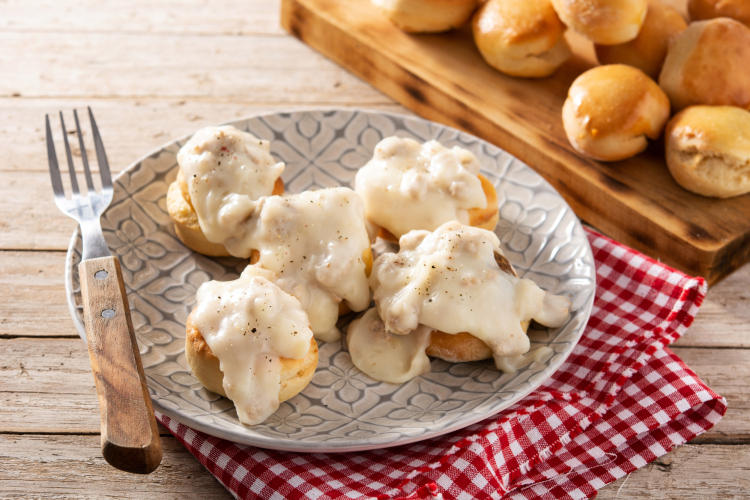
<point>314,243</point>
<point>227,171</point>
<point>408,185</point>
<point>448,280</point>
<point>249,324</point>
<point>385,356</point>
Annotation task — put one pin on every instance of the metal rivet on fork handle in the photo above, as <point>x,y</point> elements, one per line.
<point>108,313</point>
<point>100,275</point>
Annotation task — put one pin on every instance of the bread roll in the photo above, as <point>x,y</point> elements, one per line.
<point>521,37</point>
<point>610,110</point>
<point>709,63</point>
<point>607,22</point>
<point>647,51</point>
<point>186,220</point>
<point>295,373</point>
<point>427,16</point>
<point>701,10</point>
<point>708,150</point>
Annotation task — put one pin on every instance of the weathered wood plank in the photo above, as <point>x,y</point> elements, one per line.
<point>230,17</point>
<point>688,472</point>
<point>33,292</point>
<point>130,128</point>
<point>46,386</point>
<point>73,467</point>
<point>726,371</point>
<point>264,69</point>
<point>724,317</point>
<point>31,279</point>
<point>29,219</point>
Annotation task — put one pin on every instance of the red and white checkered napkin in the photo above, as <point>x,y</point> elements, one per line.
<point>621,400</point>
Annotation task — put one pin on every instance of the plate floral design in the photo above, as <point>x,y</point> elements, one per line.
<point>342,409</point>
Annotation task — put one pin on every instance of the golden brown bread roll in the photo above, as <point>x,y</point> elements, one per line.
<point>521,37</point>
<point>610,110</point>
<point>708,150</point>
<point>647,51</point>
<point>295,373</point>
<point>483,218</point>
<point>185,219</point>
<point>607,22</point>
<point>701,10</point>
<point>709,63</point>
<point>427,16</point>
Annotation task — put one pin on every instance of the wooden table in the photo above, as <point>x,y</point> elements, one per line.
<point>153,71</point>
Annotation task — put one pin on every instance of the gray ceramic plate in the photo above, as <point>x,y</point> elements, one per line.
<point>342,409</point>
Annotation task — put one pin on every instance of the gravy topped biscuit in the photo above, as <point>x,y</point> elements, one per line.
<point>408,185</point>
<point>223,174</point>
<point>448,281</point>
<point>317,245</point>
<point>259,334</point>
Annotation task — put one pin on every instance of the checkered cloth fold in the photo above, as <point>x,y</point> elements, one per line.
<point>620,401</point>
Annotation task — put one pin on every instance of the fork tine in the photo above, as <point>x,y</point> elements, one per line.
<point>71,167</point>
<point>54,169</point>
<point>84,158</point>
<point>101,156</point>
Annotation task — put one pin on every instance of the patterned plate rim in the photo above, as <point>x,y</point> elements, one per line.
<point>354,444</point>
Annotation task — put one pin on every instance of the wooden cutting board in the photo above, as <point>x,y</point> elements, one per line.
<point>443,78</point>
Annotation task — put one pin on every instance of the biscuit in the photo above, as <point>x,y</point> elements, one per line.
<point>611,110</point>
<point>708,150</point>
<point>709,63</point>
<point>521,38</point>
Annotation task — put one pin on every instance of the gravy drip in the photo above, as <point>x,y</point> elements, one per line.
<point>448,280</point>
<point>385,356</point>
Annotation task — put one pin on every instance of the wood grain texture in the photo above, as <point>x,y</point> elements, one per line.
<point>62,467</point>
<point>130,439</point>
<point>141,16</point>
<point>70,467</point>
<point>700,472</point>
<point>442,77</point>
<point>33,291</point>
<point>46,386</point>
<point>110,65</point>
<point>34,305</point>
<point>29,219</point>
<point>130,127</point>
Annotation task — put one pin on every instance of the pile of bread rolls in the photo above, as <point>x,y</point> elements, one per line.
<point>702,70</point>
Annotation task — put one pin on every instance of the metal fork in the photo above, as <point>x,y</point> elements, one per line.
<point>130,438</point>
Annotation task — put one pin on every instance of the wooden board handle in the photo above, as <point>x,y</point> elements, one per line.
<point>130,438</point>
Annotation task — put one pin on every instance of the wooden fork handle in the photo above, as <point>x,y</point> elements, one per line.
<point>130,438</point>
